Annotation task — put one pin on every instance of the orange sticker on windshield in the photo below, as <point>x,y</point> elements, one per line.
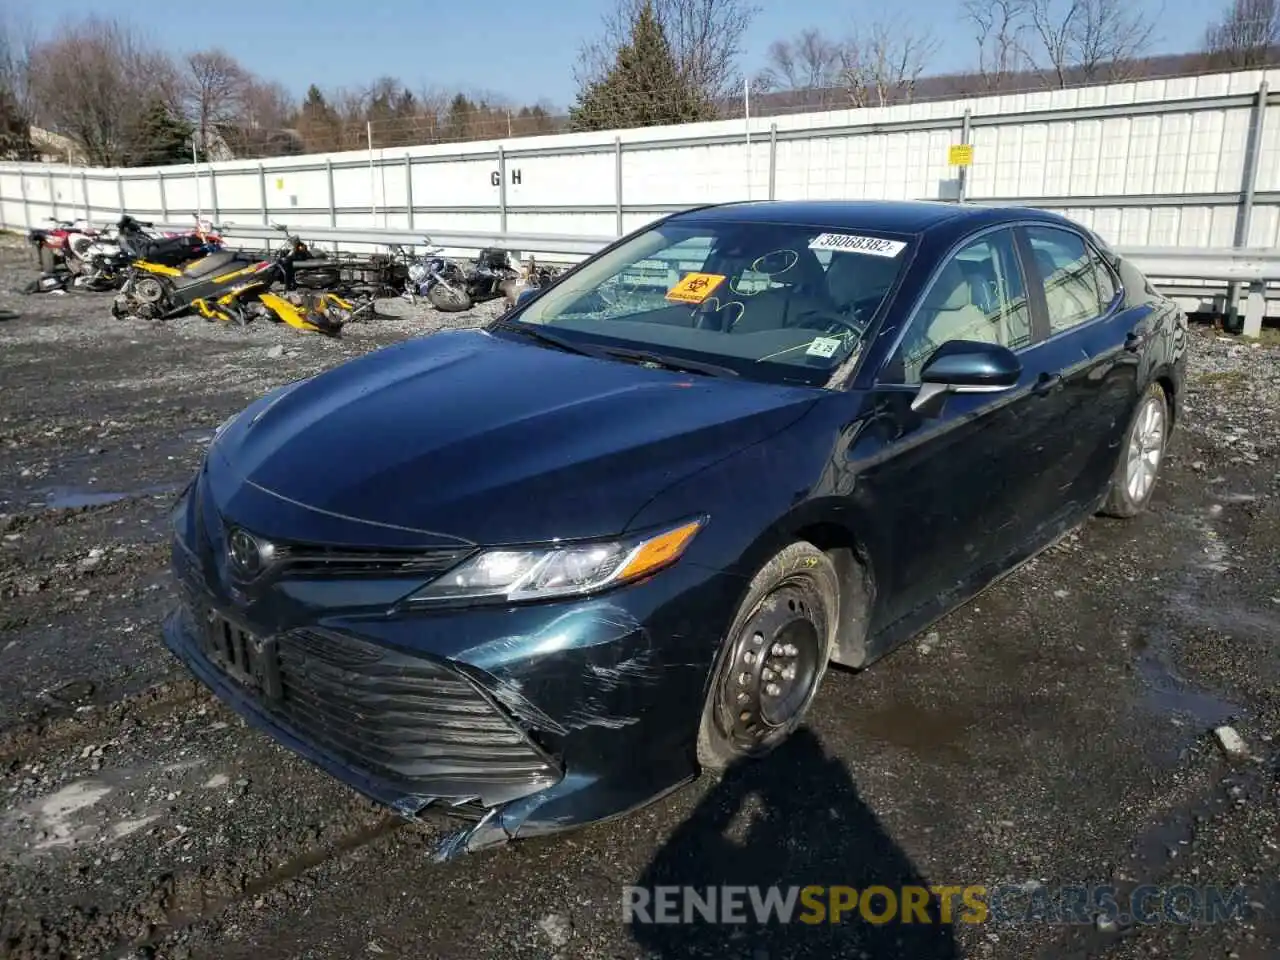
<point>695,287</point>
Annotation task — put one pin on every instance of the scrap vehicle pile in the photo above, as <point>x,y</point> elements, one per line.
<point>159,276</point>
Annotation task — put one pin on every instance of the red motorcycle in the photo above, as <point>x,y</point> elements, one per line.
<point>51,244</point>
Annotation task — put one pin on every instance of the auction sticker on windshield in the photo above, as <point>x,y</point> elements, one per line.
<point>824,346</point>
<point>853,244</point>
<point>695,287</point>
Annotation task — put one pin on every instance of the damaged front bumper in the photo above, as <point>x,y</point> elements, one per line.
<point>522,722</point>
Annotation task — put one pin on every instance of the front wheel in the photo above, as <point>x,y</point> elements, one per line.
<point>448,299</point>
<point>1141,456</point>
<point>773,658</point>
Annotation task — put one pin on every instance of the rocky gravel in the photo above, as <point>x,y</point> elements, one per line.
<point>1108,715</point>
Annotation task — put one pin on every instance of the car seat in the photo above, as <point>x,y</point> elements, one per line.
<point>955,316</point>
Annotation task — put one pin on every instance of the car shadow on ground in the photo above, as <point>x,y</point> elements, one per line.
<point>796,820</point>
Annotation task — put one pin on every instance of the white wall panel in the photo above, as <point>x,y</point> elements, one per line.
<point>1162,149</point>
<point>239,190</point>
<point>464,183</point>
<point>575,180</point>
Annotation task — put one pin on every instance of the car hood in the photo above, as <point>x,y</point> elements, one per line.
<point>474,436</point>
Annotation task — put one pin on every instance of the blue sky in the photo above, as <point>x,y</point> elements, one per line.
<point>522,50</point>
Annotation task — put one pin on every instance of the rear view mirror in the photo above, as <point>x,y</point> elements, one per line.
<point>967,366</point>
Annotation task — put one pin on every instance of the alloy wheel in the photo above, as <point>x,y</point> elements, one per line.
<point>1145,449</point>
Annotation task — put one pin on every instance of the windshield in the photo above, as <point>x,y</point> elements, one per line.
<point>778,302</point>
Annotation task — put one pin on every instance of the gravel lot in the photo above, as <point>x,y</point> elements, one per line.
<point>1058,730</point>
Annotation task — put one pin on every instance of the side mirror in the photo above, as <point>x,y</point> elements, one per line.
<point>966,366</point>
<point>525,294</point>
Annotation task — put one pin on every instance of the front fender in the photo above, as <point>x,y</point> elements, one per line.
<point>797,484</point>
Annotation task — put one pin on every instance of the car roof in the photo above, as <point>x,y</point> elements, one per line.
<point>892,216</point>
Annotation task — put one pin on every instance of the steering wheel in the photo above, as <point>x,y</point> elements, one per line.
<point>820,320</point>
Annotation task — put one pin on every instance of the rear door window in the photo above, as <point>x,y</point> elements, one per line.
<point>1072,274</point>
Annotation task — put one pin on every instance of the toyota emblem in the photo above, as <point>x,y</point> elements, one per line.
<point>244,554</point>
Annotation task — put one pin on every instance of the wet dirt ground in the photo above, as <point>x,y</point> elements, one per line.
<point>1058,731</point>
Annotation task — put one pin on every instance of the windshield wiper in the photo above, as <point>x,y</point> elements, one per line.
<point>669,363</point>
<point>551,339</point>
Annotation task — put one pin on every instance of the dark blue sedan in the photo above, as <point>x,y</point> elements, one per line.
<point>539,574</point>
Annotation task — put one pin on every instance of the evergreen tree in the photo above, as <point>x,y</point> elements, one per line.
<point>15,130</point>
<point>643,88</point>
<point>318,122</point>
<point>458,120</point>
<point>161,138</point>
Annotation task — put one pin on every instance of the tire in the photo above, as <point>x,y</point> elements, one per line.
<point>788,621</point>
<point>48,260</point>
<point>448,301</point>
<point>1146,436</point>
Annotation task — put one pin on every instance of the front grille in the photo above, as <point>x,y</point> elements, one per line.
<point>299,560</point>
<point>403,718</point>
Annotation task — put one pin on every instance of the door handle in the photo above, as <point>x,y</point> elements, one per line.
<point>1046,383</point>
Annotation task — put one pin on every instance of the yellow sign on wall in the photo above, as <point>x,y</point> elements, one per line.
<point>279,183</point>
<point>960,155</point>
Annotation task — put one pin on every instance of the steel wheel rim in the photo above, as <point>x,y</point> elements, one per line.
<point>1145,450</point>
<point>774,671</point>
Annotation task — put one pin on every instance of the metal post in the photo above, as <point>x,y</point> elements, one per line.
<point>84,194</point>
<point>617,184</point>
<point>333,204</point>
<point>408,187</point>
<point>746,122</point>
<point>502,190</point>
<point>26,207</point>
<point>164,201</point>
<point>195,175</point>
<point>964,171</point>
<point>53,196</point>
<point>120,191</point>
<point>262,194</point>
<point>773,160</point>
<point>373,202</point>
<point>1255,306</point>
<point>213,193</point>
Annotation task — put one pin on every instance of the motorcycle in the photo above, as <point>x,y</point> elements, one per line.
<point>231,287</point>
<point>450,288</point>
<point>50,243</point>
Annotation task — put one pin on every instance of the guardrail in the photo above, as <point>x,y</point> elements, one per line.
<point>1164,266</point>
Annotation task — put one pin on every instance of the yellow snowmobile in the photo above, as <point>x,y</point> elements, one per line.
<point>231,287</point>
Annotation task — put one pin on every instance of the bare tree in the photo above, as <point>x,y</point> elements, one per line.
<point>1091,40</point>
<point>16,107</point>
<point>810,61</point>
<point>1000,30</point>
<point>705,37</point>
<point>266,110</point>
<point>214,94</point>
<point>881,63</point>
<point>1245,35</point>
<point>95,82</point>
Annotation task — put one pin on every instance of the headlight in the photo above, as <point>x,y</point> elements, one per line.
<point>537,573</point>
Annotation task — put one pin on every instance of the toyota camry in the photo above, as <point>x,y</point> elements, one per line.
<point>539,574</point>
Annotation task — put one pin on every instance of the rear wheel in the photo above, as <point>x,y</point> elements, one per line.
<point>1141,456</point>
<point>448,299</point>
<point>773,659</point>
<point>47,259</point>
